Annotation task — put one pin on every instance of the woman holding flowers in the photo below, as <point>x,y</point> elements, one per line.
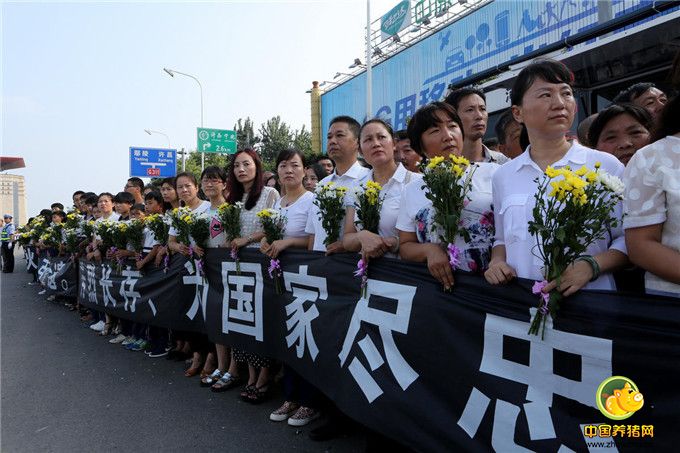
<point>465,242</point>
<point>187,190</point>
<point>543,101</point>
<point>294,207</point>
<point>383,187</point>
<point>245,185</point>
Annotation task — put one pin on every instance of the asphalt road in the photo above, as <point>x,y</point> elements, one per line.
<point>64,389</point>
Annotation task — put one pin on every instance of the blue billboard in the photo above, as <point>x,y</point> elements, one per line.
<point>492,36</point>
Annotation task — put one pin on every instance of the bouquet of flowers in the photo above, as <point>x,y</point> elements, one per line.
<point>104,230</point>
<point>330,201</point>
<point>24,236</point>
<point>87,228</point>
<point>199,229</point>
<point>367,204</point>
<point>72,220</point>
<point>135,235</point>
<point>158,225</point>
<point>273,224</point>
<point>448,185</point>
<point>37,228</point>
<point>230,218</point>
<point>180,219</point>
<point>71,241</point>
<point>573,210</point>
<point>119,232</point>
<point>54,236</point>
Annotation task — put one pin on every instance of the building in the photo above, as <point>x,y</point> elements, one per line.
<point>13,197</point>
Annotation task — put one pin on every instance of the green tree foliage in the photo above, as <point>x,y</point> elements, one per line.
<point>245,134</point>
<point>276,136</point>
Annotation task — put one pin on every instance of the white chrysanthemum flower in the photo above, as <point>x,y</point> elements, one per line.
<point>611,182</point>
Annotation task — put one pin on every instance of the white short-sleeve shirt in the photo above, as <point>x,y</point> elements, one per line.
<point>296,215</point>
<point>416,216</point>
<point>652,197</point>
<point>349,180</point>
<point>514,187</point>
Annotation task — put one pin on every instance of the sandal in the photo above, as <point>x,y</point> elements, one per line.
<point>226,382</point>
<point>107,330</point>
<point>250,388</point>
<point>208,381</point>
<point>259,394</point>
<point>205,373</point>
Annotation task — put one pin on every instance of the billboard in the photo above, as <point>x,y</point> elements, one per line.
<point>492,36</point>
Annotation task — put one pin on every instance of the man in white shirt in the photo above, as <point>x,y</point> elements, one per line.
<point>342,145</point>
<point>470,104</point>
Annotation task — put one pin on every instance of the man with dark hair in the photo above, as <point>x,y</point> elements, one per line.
<point>135,186</point>
<point>326,163</point>
<point>582,131</point>
<point>404,154</point>
<point>508,131</point>
<point>470,105</point>
<point>123,202</point>
<point>645,95</point>
<point>76,199</point>
<point>57,207</point>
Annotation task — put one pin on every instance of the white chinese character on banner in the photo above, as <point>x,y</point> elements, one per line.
<point>387,322</point>
<point>127,288</point>
<point>91,282</point>
<point>299,322</point>
<point>201,294</point>
<point>145,153</point>
<point>161,153</point>
<point>30,259</point>
<point>137,153</point>
<point>168,154</point>
<point>242,304</point>
<point>107,285</point>
<point>542,383</point>
<point>44,271</point>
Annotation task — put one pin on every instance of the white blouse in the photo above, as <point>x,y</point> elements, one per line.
<point>296,215</point>
<point>652,197</point>
<point>514,187</point>
<point>416,216</point>
<point>249,221</point>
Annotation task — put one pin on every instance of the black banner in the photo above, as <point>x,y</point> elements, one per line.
<point>436,371</point>
<point>32,259</point>
<point>58,275</point>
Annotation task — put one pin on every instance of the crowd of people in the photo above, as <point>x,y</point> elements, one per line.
<point>637,138</point>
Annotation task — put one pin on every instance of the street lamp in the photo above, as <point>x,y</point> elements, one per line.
<point>338,74</point>
<point>357,64</point>
<point>326,82</point>
<point>151,131</point>
<point>171,73</point>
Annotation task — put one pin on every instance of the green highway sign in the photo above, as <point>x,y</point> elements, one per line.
<point>216,140</point>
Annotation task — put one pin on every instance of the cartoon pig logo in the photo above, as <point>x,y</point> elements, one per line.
<point>618,398</point>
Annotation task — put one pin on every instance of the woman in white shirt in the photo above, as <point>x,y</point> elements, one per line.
<point>436,130</point>
<point>543,101</point>
<point>187,191</point>
<point>295,205</point>
<point>652,204</point>
<point>376,143</point>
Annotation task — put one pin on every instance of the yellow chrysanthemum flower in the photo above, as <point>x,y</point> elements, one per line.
<point>434,162</point>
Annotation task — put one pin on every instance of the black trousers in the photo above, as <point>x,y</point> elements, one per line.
<point>7,257</point>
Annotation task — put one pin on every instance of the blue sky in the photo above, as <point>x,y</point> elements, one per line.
<point>82,80</point>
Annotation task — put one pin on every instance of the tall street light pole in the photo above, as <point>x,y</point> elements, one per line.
<point>369,78</point>
<point>171,73</point>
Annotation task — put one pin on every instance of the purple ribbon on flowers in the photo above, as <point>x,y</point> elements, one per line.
<point>274,265</point>
<point>538,290</point>
<point>362,267</point>
<point>362,271</point>
<point>454,256</point>
<point>199,266</point>
<point>234,253</point>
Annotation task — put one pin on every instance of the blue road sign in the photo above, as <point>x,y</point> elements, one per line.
<point>152,162</point>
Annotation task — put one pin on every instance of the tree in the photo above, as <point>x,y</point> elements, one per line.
<point>245,134</point>
<point>276,137</point>
<point>302,140</point>
<point>193,163</point>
